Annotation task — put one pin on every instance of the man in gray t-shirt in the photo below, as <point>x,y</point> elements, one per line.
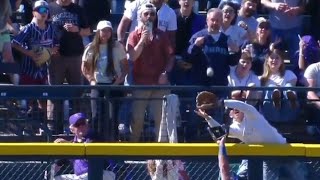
<point>312,76</point>
<point>286,21</point>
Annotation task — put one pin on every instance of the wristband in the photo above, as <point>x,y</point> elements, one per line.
<point>222,150</point>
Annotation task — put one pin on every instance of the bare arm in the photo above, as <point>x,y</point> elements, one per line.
<point>135,52</point>
<point>135,46</point>
<point>172,38</point>
<point>268,4</point>
<point>87,72</point>
<point>301,62</point>
<point>124,71</point>
<point>311,94</point>
<point>123,28</point>
<point>22,50</point>
<point>223,161</point>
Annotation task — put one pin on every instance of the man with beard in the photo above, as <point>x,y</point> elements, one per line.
<point>246,18</point>
<point>165,20</point>
<point>152,54</point>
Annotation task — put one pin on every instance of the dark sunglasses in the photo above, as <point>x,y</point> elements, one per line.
<point>42,10</point>
<point>230,11</point>
<point>264,26</point>
<point>152,14</point>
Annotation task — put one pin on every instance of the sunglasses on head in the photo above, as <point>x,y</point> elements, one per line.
<point>42,10</point>
<point>149,13</point>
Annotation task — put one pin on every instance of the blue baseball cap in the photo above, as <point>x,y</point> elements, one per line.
<point>40,3</point>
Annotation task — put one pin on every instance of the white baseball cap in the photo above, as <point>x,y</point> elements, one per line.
<point>40,3</point>
<point>147,7</point>
<point>104,24</point>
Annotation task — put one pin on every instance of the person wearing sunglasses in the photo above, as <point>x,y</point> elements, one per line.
<point>82,134</point>
<point>152,55</point>
<point>165,20</point>
<point>38,34</point>
<point>259,46</point>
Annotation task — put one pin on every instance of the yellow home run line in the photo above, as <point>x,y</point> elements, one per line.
<point>157,149</point>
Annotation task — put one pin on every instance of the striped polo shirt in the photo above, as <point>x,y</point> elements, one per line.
<point>32,36</point>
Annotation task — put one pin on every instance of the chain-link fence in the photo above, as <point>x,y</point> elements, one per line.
<point>131,170</point>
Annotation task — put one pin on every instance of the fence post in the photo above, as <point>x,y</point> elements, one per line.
<point>255,169</point>
<point>107,128</point>
<point>95,169</point>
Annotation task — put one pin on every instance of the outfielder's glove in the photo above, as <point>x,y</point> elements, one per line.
<point>206,100</point>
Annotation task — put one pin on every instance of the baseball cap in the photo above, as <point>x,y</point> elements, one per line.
<point>76,117</point>
<point>263,22</point>
<point>104,24</point>
<point>40,3</point>
<point>147,7</point>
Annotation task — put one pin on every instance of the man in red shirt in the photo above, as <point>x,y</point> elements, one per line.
<point>152,56</point>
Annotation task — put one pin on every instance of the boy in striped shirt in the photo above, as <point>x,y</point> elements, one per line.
<point>38,33</point>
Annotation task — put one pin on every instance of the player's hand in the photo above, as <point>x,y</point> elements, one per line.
<point>202,113</point>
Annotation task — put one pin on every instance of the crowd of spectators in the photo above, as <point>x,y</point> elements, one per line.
<point>161,42</point>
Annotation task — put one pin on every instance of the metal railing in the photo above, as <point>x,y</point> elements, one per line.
<point>15,119</point>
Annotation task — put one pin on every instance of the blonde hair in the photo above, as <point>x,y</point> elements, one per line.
<point>266,69</point>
